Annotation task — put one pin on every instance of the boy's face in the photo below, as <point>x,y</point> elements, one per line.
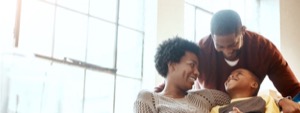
<point>240,79</point>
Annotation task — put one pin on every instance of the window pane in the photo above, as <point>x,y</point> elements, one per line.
<point>132,13</point>
<point>63,89</point>
<point>189,22</point>
<point>202,24</point>
<point>78,5</point>
<point>52,1</point>
<point>130,47</point>
<point>99,92</point>
<point>7,10</point>
<point>25,94</point>
<point>105,9</point>
<point>126,93</point>
<point>21,85</point>
<point>70,35</point>
<point>101,43</point>
<point>36,29</point>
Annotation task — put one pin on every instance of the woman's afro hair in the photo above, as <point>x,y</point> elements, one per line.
<point>172,50</point>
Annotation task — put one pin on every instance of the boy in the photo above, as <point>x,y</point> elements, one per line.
<point>242,86</point>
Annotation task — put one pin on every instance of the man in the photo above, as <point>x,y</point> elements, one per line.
<point>230,46</point>
<point>242,86</point>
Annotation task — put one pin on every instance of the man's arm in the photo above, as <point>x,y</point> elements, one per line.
<point>159,88</point>
<point>288,106</point>
<point>279,72</point>
<point>285,103</point>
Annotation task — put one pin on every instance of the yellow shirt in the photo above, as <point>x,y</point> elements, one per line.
<point>271,106</point>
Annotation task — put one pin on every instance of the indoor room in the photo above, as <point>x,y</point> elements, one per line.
<point>95,56</point>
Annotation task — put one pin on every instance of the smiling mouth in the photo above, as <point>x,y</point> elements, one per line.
<point>192,78</point>
<point>232,56</point>
<point>235,79</point>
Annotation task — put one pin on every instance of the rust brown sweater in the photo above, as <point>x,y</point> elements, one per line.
<point>257,54</point>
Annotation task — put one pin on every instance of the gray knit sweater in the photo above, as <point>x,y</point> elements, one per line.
<point>200,101</point>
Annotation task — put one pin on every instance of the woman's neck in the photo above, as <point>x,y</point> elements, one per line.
<point>173,91</point>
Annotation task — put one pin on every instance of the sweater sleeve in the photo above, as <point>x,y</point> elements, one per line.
<point>279,72</point>
<point>144,103</point>
<point>220,97</point>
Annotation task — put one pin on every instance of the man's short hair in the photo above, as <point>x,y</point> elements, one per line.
<point>225,22</point>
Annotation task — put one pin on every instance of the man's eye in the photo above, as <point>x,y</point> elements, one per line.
<point>234,45</point>
<point>192,65</point>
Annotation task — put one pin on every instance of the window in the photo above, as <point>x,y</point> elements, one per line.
<point>197,22</point>
<point>101,43</point>
<point>99,91</point>
<point>7,13</point>
<point>92,51</point>
<point>130,46</point>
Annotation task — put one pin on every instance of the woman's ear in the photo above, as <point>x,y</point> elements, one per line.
<point>171,66</point>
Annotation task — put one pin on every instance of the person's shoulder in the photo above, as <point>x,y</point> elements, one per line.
<point>253,36</point>
<point>205,41</point>
<point>144,102</point>
<point>144,94</point>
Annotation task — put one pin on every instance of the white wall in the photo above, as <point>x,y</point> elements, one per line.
<point>290,33</point>
<point>170,22</point>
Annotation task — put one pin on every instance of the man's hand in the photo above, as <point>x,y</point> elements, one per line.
<point>289,106</point>
<point>159,88</point>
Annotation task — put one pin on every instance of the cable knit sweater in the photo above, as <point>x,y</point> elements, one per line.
<point>200,101</point>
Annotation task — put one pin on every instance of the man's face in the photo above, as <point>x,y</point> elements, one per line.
<point>228,44</point>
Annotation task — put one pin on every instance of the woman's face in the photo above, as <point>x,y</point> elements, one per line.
<point>186,71</point>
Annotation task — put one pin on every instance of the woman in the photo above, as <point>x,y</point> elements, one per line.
<point>177,61</point>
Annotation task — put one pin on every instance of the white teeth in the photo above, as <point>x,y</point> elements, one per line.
<point>192,78</point>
